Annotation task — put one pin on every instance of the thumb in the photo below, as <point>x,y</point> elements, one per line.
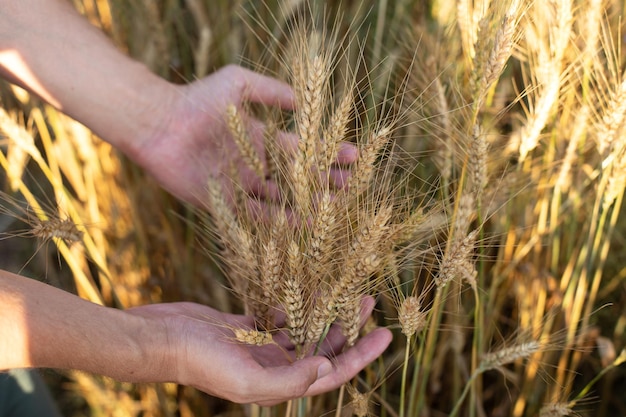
<point>283,383</point>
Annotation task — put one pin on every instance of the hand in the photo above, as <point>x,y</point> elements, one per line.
<point>204,354</point>
<point>195,141</point>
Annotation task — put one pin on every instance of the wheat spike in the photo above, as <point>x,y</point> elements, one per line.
<point>457,262</point>
<point>412,318</point>
<point>311,98</point>
<point>549,71</point>
<point>253,337</point>
<point>616,172</point>
<point>362,175</point>
<point>360,403</point>
<point>294,297</point>
<point>443,156</point>
<point>499,54</point>
<point>239,253</point>
<point>351,320</point>
<point>478,162</point>
<point>613,119</point>
<point>363,258</point>
<point>19,146</point>
<point>300,187</point>
<point>466,26</point>
<point>465,213</point>
<point>321,240</point>
<point>578,133</point>
<point>242,140</point>
<point>556,410</point>
<point>56,228</point>
<point>508,355</point>
<point>271,274</point>
<point>483,45</point>
<point>322,315</point>
<point>335,133</point>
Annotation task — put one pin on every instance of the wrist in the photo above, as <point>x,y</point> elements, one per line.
<point>143,114</point>
<point>153,360</point>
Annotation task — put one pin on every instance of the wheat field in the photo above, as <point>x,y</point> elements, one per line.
<point>483,213</point>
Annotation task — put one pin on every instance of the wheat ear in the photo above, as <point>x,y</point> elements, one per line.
<point>294,296</point>
<point>411,316</point>
<point>362,175</point>
<point>242,140</point>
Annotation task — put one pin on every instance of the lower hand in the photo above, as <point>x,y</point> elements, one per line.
<point>204,353</point>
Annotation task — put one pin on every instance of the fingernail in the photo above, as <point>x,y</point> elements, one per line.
<point>324,370</point>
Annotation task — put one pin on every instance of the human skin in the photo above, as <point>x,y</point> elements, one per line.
<point>177,133</point>
<point>186,343</point>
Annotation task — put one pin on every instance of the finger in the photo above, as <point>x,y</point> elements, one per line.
<point>266,212</point>
<point>262,189</point>
<point>348,153</point>
<point>339,177</point>
<point>262,89</point>
<point>335,340</point>
<point>283,383</point>
<point>351,362</point>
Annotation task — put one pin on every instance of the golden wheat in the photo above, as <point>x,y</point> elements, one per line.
<point>411,316</point>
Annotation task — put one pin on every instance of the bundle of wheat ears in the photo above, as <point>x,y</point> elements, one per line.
<point>328,243</point>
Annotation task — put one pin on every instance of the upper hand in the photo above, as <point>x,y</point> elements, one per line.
<point>194,142</point>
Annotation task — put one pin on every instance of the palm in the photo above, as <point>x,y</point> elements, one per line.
<point>196,142</point>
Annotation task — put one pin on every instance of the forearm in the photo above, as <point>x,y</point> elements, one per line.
<point>48,48</point>
<point>42,326</point>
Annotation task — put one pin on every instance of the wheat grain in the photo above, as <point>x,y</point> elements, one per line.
<point>253,337</point>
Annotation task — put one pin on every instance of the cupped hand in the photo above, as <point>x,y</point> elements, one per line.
<point>204,353</point>
<point>194,141</point>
